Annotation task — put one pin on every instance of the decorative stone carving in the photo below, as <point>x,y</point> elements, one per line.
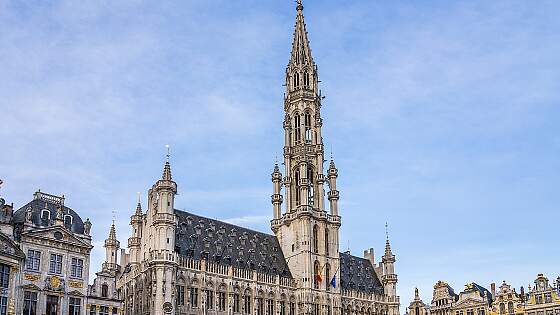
<point>54,283</point>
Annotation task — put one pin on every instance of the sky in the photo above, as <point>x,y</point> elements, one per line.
<point>443,118</point>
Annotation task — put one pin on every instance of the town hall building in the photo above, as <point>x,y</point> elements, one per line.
<point>180,262</point>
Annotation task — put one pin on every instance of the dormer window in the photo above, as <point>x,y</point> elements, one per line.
<point>68,220</point>
<point>45,215</point>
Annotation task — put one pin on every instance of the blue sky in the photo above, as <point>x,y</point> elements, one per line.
<point>443,117</point>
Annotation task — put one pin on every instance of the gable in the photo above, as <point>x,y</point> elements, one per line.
<point>48,234</point>
<point>9,248</point>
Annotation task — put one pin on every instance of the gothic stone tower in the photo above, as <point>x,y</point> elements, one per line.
<point>307,234</point>
<point>160,240</point>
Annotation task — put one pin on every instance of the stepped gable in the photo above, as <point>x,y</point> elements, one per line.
<point>358,274</point>
<point>204,238</point>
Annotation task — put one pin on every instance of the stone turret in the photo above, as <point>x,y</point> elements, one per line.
<point>112,246</point>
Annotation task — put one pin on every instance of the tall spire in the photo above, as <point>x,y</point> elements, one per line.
<point>388,252</point>
<point>112,232</point>
<point>301,51</point>
<point>138,206</point>
<point>167,166</point>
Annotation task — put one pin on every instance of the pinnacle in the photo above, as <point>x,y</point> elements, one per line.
<point>112,232</point>
<point>166,171</point>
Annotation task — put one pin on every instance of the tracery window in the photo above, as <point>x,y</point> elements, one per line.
<point>327,276</point>
<point>307,122</point>
<point>222,301</point>
<point>315,239</point>
<point>297,125</point>
<point>326,241</point>
<point>180,295</point>
<point>193,297</point>
<point>209,299</point>
<point>316,275</point>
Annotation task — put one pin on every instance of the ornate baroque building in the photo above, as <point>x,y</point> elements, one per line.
<point>183,263</point>
<point>44,260</point>
<point>542,298</point>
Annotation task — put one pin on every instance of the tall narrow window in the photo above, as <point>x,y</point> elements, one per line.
<point>33,260</point>
<point>104,290</point>
<point>92,310</point>
<point>55,265</point>
<point>307,122</point>
<point>247,304</point>
<point>193,297</point>
<point>236,303</point>
<point>222,301</point>
<point>311,185</point>
<point>326,241</point>
<point>315,238</point>
<point>296,186</point>
<point>328,276</point>
<point>45,215</point>
<point>209,299</point>
<point>29,303</point>
<point>68,221</point>
<point>297,125</point>
<point>269,307</point>
<point>260,306</point>
<point>74,306</point>
<point>282,308</point>
<point>3,305</point>
<point>306,79</point>
<point>316,275</point>
<point>292,308</point>
<point>180,295</point>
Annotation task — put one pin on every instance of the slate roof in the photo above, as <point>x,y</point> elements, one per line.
<point>482,291</point>
<point>203,238</point>
<point>37,205</point>
<point>358,274</point>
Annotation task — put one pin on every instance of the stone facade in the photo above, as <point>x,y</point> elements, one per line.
<point>542,298</point>
<point>53,247</point>
<point>183,263</point>
<point>45,259</point>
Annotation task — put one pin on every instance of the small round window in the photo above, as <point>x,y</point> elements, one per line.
<point>58,235</point>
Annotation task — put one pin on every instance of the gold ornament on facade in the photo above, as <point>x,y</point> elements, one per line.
<point>76,284</point>
<point>55,282</point>
<point>31,277</point>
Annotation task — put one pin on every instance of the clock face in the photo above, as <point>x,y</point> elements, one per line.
<point>58,235</point>
<point>167,307</point>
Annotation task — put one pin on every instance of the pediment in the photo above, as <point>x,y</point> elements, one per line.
<point>75,293</point>
<point>48,233</point>
<point>31,286</point>
<point>9,248</point>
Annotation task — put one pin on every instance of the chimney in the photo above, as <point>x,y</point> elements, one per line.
<point>493,289</point>
<point>369,255</point>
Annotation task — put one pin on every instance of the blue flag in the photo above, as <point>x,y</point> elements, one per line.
<point>333,281</point>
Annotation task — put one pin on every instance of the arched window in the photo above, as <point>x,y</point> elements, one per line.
<point>315,238</point>
<point>104,290</point>
<point>502,308</point>
<point>297,125</point>
<point>316,274</point>
<point>328,276</point>
<point>510,307</point>
<point>297,178</point>
<point>68,220</point>
<point>326,241</point>
<point>306,79</point>
<point>307,122</point>
<point>45,215</point>
<point>296,79</point>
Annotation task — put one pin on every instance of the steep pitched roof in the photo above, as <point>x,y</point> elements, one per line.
<point>358,274</point>
<point>204,238</point>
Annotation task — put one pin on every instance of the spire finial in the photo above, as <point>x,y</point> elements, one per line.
<point>387,230</point>
<point>168,147</point>
<point>138,194</point>
<point>114,216</point>
<point>299,5</point>
<point>167,167</point>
